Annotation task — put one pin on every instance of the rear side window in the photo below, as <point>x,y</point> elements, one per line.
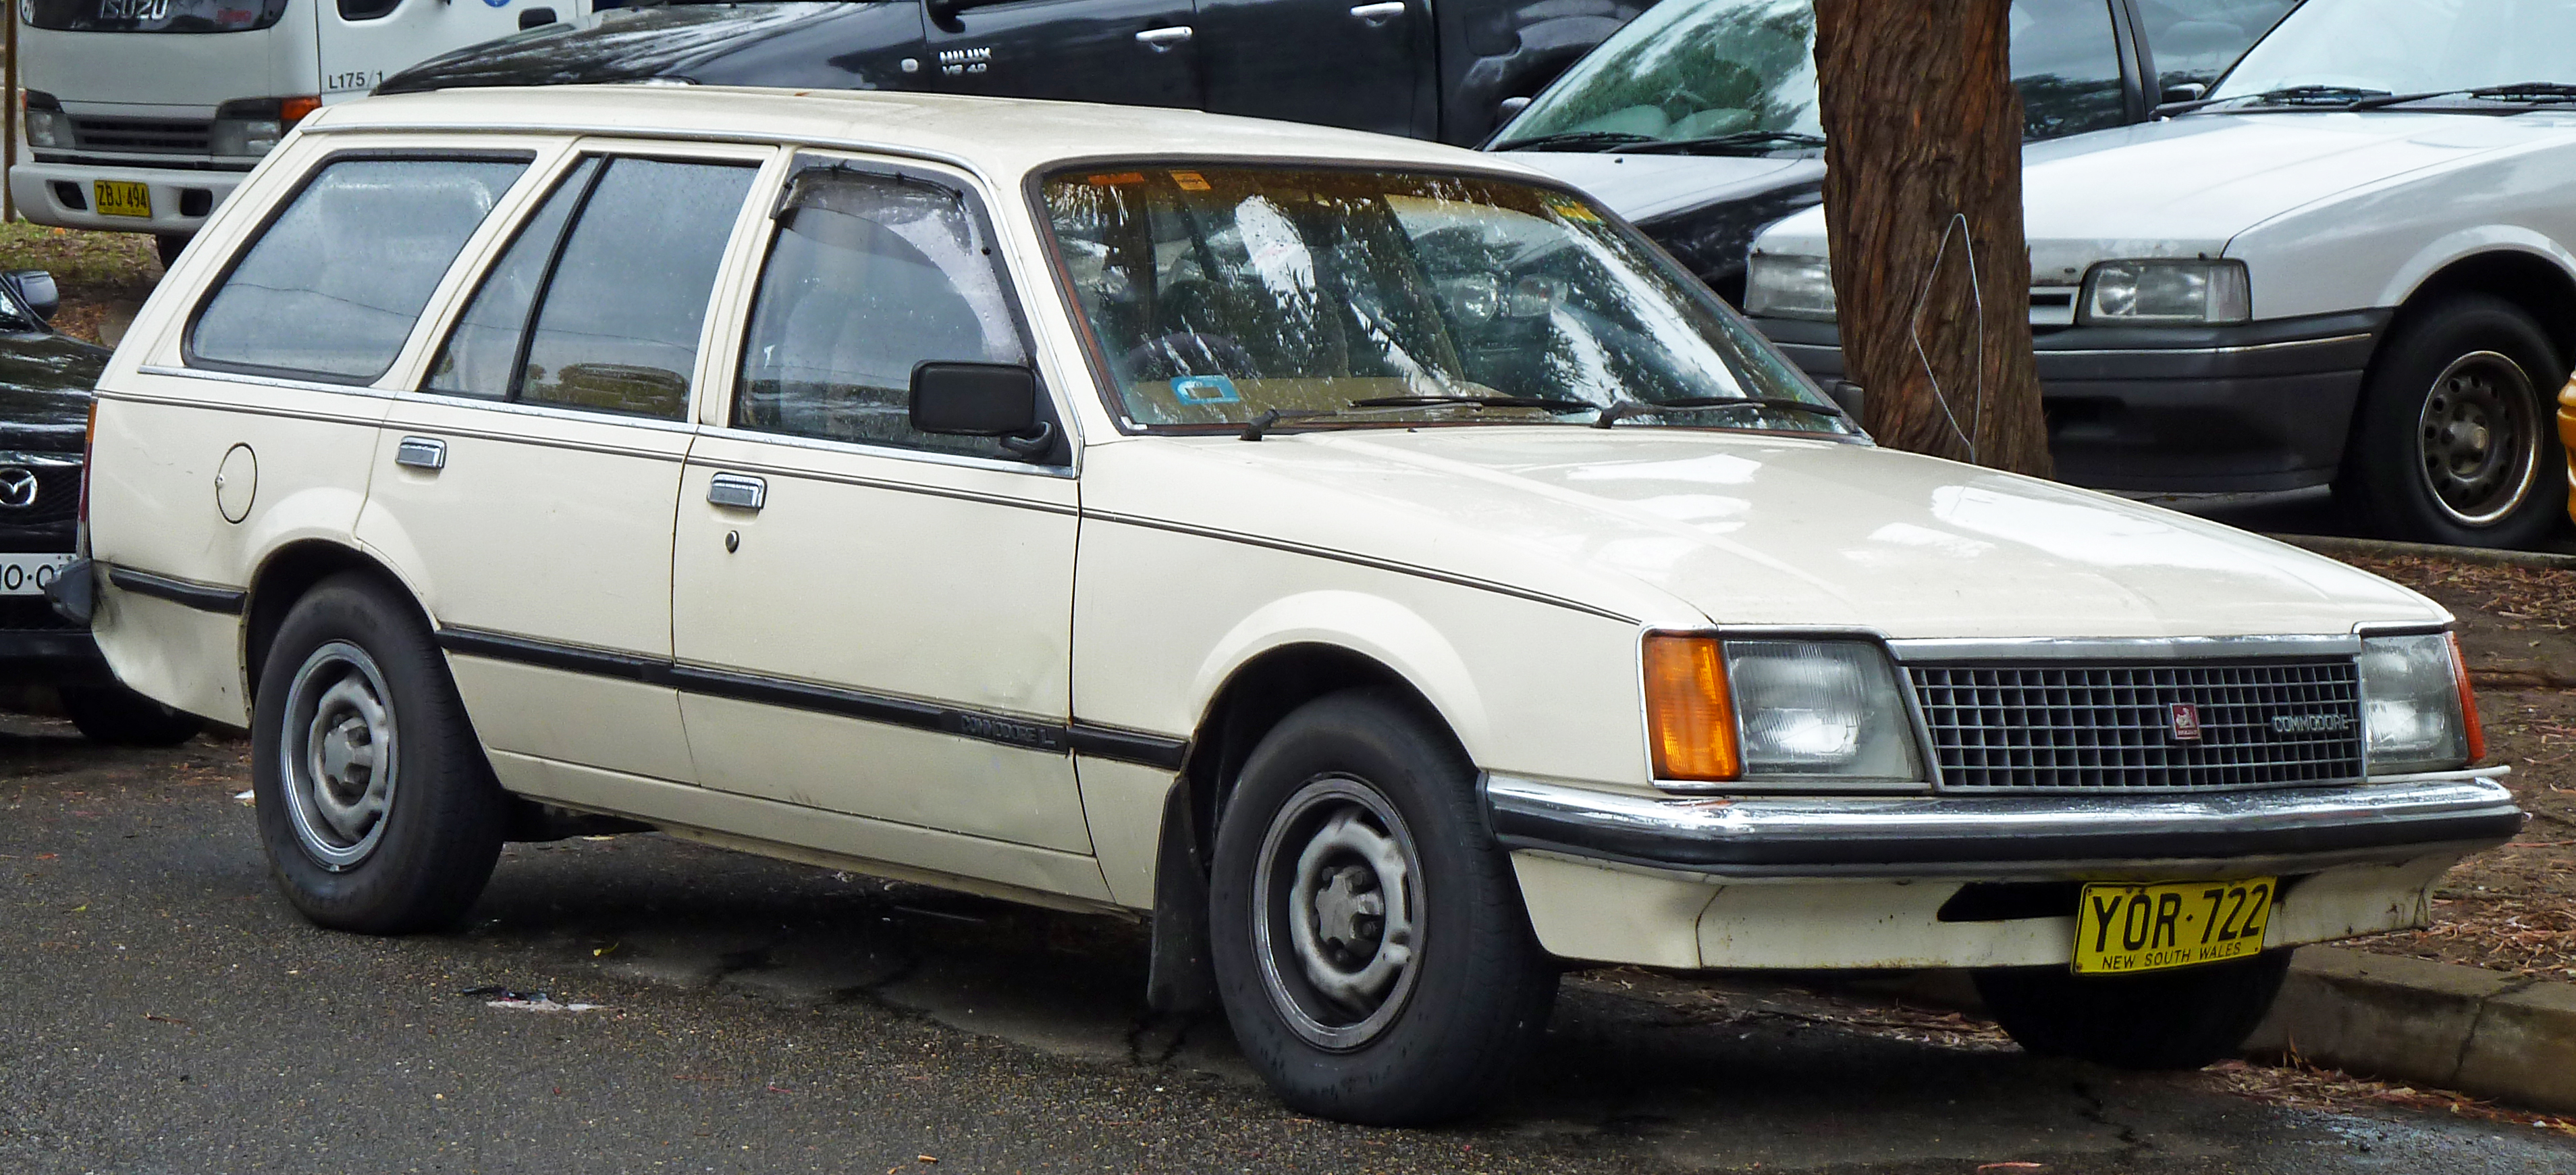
<point>600,301</point>
<point>334,284</point>
<point>870,275</point>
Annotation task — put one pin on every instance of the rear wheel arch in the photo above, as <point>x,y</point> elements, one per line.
<point>284,577</point>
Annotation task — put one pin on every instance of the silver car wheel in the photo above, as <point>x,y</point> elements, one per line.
<point>1337,909</point>
<point>2479,438</point>
<point>338,755</point>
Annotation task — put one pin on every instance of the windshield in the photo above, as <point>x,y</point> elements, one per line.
<point>151,16</point>
<point>1217,295</point>
<point>2354,48</point>
<point>1740,76</point>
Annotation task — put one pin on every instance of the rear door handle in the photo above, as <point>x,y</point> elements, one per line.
<point>1374,15</point>
<point>1163,39</point>
<point>736,491</point>
<point>428,453</point>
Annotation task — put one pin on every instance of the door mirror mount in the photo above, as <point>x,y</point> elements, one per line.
<point>1510,109</point>
<point>980,400</point>
<point>34,291</point>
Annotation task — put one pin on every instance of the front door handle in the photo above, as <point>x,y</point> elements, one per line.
<point>735,491</point>
<point>428,453</point>
<point>1376,15</point>
<point>1161,40</point>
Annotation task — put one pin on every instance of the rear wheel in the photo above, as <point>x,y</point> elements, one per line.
<point>168,245</point>
<point>118,716</point>
<point>2181,1019</point>
<point>1371,948</point>
<point>2454,442</point>
<point>376,807</point>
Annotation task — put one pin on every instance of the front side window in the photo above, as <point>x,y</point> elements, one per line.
<point>1218,295</point>
<point>1739,77</point>
<point>335,283</point>
<point>869,276</point>
<point>604,314</point>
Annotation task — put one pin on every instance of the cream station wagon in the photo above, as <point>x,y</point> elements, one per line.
<point>1370,562</point>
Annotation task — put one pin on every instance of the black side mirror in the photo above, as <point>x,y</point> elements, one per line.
<point>1511,109</point>
<point>975,399</point>
<point>2183,92</point>
<point>535,18</point>
<point>34,289</point>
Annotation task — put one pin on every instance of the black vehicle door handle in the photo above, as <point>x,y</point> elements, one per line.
<point>1164,39</point>
<point>1376,15</point>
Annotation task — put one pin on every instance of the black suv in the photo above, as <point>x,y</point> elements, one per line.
<point>45,382</point>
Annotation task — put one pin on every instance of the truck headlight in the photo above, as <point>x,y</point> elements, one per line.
<point>1781,286</point>
<point>254,126</point>
<point>47,125</point>
<point>1786,710</point>
<point>2165,292</point>
<point>2418,713</point>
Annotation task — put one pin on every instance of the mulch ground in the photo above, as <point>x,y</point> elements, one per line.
<point>93,271</point>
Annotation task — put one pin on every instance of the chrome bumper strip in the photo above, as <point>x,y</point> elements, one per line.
<point>1995,837</point>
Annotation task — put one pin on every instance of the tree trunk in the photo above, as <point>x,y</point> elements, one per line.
<point>1922,189</point>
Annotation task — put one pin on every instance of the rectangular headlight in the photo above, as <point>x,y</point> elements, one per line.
<point>2417,711</point>
<point>2165,292</point>
<point>1826,710</point>
<point>1782,286</point>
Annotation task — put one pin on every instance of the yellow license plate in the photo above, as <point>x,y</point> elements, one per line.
<point>122,198</point>
<point>2121,928</point>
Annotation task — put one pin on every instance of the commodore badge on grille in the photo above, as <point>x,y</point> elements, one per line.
<point>2186,722</point>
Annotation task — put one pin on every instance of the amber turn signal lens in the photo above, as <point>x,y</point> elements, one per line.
<point>292,110</point>
<point>2469,725</point>
<point>1690,718</point>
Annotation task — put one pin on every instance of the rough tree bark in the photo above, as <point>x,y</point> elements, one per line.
<point>1923,175</point>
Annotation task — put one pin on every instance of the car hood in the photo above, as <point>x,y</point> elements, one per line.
<point>1683,527</point>
<point>1646,187</point>
<point>2187,186</point>
<point>615,45</point>
<point>45,384</point>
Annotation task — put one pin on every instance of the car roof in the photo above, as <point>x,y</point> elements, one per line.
<point>1003,138</point>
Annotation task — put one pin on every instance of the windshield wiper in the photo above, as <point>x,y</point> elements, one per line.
<point>1576,141</point>
<point>2333,96</point>
<point>1477,401</point>
<point>2516,91</point>
<point>1627,408</point>
<point>1737,143</point>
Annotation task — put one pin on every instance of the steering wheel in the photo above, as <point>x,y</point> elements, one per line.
<point>1187,352</point>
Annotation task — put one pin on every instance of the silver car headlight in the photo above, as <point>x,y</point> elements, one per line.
<point>1783,286</point>
<point>1788,710</point>
<point>47,125</point>
<point>2417,710</point>
<point>2165,292</point>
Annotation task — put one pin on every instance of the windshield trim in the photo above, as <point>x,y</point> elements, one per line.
<point>1105,384</point>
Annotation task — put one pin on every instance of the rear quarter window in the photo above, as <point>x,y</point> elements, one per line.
<point>333,284</point>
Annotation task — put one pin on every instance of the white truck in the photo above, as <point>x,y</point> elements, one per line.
<point>142,115</point>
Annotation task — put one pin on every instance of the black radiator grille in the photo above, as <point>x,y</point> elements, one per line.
<point>165,136</point>
<point>2127,726</point>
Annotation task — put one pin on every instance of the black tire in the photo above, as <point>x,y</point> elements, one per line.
<point>168,246</point>
<point>2181,1019</point>
<point>354,847</point>
<point>2455,439</point>
<point>1350,782</point>
<point>120,717</point>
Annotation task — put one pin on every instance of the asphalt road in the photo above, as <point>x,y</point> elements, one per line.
<point>162,1010</point>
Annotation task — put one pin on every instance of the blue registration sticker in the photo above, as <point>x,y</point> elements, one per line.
<point>1205,389</point>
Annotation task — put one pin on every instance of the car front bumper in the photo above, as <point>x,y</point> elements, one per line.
<point>1957,881</point>
<point>63,194</point>
<point>2256,407</point>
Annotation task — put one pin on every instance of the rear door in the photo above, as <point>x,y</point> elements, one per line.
<point>1131,52</point>
<point>1364,64</point>
<point>362,42</point>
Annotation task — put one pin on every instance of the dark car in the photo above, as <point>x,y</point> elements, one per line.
<point>45,382</point>
<point>1699,121</point>
<point>1403,67</point>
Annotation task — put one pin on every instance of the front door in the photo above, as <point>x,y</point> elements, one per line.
<point>1131,52</point>
<point>869,619</point>
<point>1364,64</point>
<point>528,486</point>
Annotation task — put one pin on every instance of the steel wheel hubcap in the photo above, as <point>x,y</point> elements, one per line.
<point>337,755</point>
<point>1338,912</point>
<point>2479,439</point>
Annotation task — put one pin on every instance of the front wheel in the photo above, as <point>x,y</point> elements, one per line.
<point>1371,948</point>
<point>2181,1019</point>
<point>376,807</point>
<point>2453,443</point>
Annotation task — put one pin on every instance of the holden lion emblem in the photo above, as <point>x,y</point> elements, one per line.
<point>2186,722</point>
<point>17,487</point>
